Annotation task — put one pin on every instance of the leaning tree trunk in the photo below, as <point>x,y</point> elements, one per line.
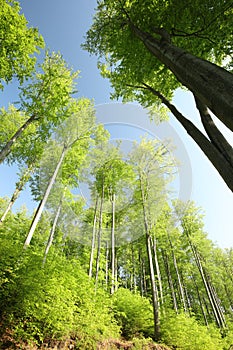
<point>7,148</point>
<point>52,231</point>
<point>215,136</point>
<point>212,153</point>
<point>42,203</point>
<point>212,84</point>
<point>19,187</point>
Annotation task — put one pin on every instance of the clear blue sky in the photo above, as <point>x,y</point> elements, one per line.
<point>63,25</point>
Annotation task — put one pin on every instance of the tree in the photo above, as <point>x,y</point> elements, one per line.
<point>149,43</point>
<point>19,43</point>
<point>151,162</point>
<point>44,103</point>
<point>71,142</point>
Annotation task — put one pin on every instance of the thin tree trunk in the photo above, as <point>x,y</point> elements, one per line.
<point>151,269</point>
<point>106,265</point>
<point>42,203</point>
<point>19,187</point>
<point>200,302</point>
<point>7,148</point>
<point>99,237</point>
<point>212,84</point>
<point>181,289</point>
<point>215,136</point>
<point>157,268</point>
<point>211,152</point>
<point>93,239</point>
<point>170,281</point>
<point>218,320</point>
<point>113,245</point>
<point>52,231</point>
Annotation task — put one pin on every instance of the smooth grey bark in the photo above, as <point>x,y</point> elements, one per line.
<point>99,236</point>
<point>212,84</point>
<point>113,246</point>
<point>212,153</point>
<point>157,269</point>
<point>18,189</point>
<point>106,265</point>
<point>7,148</point>
<point>52,231</point>
<point>43,201</point>
<point>214,134</point>
<point>93,239</point>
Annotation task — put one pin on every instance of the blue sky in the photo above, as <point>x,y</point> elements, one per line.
<point>63,25</point>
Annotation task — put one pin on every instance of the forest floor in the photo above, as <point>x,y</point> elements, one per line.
<point>70,344</point>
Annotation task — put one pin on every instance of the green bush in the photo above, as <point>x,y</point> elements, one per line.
<point>133,313</point>
<point>185,333</point>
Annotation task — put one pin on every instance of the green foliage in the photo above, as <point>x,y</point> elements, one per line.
<point>19,43</point>
<point>185,333</point>
<point>134,313</point>
<point>56,301</point>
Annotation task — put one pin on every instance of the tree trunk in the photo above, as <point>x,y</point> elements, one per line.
<point>200,302</point>
<point>19,187</point>
<point>99,237</point>
<point>170,281</point>
<point>106,265</point>
<point>151,269</point>
<point>52,231</point>
<point>215,136</point>
<point>212,84</point>
<point>158,274</point>
<point>41,206</point>
<point>113,245</point>
<point>93,239</point>
<point>211,152</point>
<point>180,285</point>
<point>7,148</point>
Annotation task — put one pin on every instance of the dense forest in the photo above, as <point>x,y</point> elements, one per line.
<point>127,267</point>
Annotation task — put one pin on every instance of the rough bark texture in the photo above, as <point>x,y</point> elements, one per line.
<point>212,84</point>
<point>212,153</point>
<point>214,134</point>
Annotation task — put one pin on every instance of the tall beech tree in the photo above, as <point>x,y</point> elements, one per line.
<point>151,162</point>
<point>71,142</point>
<point>166,45</point>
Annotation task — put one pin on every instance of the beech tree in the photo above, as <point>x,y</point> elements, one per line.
<point>165,45</point>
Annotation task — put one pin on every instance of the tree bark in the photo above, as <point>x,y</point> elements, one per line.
<point>42,203</point>
<point>93,239</point>
<point>7,148</point>
<point>170,281</point>
<point>212,84</point>
<point>113,245</point>
<point>215,136</point>
<point>99,237</point>
<point>52,231</point>
<point>212,153</point>
<point>157,268</point>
